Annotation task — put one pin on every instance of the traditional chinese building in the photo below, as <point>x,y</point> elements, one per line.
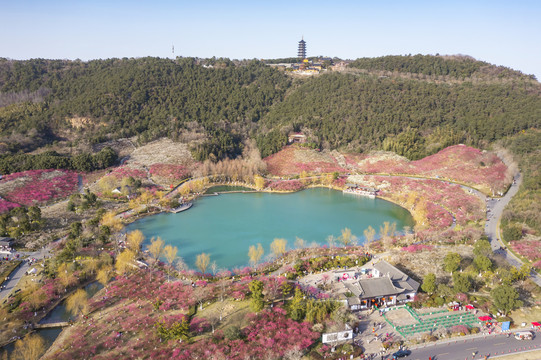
<point>301,53</point>
<point>383,285</point>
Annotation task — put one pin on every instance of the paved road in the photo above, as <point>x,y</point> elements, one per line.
<point>496,207</point>
<point>80,185</point>
<point>14,278</point>
<point>18,273</point>
<point>490,345</point>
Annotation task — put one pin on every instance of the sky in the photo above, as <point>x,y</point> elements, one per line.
<point>499,32</point>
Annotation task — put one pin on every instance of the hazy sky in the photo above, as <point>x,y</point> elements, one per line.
<point>500,32</point>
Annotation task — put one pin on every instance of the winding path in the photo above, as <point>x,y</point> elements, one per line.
<point>80,185</point>
<point>492,228</point>
<point>495,208</point>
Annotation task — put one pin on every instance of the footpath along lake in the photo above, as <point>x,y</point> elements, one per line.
<point>225,226</point>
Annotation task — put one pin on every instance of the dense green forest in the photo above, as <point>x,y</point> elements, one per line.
<point>453,66</point>
<point>523,214</point>
<point>148,97</point>
<point>232,101</point>
<point>361,111</point>
<point>105,158</point>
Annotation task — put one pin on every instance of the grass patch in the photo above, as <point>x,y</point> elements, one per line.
<point>526,314</point>
<point>7,267</point>
<point>226,188</point>
<point>233,313</point>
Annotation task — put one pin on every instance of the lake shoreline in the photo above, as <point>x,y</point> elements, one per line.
<point>203,193</point>
<point>315,217</point>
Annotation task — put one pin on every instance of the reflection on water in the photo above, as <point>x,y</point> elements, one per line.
<point>58,314</point>
<point>225,226</point>
<point>49,335</point>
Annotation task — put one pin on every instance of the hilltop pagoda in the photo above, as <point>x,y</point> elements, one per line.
<point>302,49</point>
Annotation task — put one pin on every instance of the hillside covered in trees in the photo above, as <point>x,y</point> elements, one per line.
<point>401,115</point>
<point>225,103</point>
<point>457,66</point>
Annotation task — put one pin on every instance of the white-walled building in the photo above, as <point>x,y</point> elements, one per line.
<point>384,285</point>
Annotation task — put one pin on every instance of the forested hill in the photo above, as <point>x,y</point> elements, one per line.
<point>402,115</point>
<point>148,97</point>
<point>458,66</point>
<point>42,101</point>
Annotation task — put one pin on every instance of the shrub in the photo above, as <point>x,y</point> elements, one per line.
<point>430,338</point>
<point>170,171</point>
<point>512,232</point>
<point>233,332</point>
<point>460,329</point>
<point>5,206</point>
<point>528,248</point>
<point>41,186</point>
<point>173,327</point>
<point>414,248</point>
<point>288,185</point>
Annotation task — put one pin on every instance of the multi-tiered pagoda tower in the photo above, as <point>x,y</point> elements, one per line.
<point>302,49</point>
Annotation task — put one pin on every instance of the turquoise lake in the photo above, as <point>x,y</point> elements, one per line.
<point>224,226</point>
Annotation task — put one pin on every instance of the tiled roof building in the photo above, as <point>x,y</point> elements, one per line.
<point>386,285</point>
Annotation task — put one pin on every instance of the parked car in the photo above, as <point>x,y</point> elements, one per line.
<point>524,335</point>
<point>401,353</point>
